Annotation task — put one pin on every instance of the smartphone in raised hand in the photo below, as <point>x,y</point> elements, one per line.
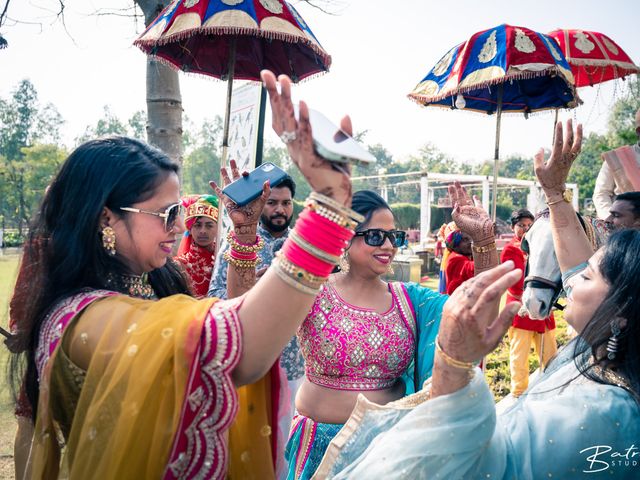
<point>248,188</point>
<point>333,143</point>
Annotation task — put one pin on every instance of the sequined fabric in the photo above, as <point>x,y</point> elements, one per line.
<point>352,348</point>
<point>198,263</point>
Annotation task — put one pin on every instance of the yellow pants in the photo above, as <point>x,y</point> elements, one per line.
<point>544,345</point>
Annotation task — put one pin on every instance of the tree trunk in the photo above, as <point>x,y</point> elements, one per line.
<point>164,109</point>
<point>164,102</point>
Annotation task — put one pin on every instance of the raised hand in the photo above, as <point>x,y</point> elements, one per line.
<point>553,174</point>
<point>245,218</point>
<point>469,215</point>
<point>469,328</point>
<point>327,178</point>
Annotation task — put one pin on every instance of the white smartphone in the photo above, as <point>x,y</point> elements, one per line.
<point>332,143</point>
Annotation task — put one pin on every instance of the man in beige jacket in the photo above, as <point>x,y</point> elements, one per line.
<point>606,188</point>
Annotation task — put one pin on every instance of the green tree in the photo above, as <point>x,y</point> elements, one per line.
<point>23,124</point>
<point>202,160</point>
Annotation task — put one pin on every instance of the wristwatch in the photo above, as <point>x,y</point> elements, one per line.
<point>567,196</point>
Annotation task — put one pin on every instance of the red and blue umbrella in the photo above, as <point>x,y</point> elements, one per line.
<point>234,39</point>
<point>505,68</point>
<point>198,35</point>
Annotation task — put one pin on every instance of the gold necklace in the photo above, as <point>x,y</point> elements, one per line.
<point>134,285</point>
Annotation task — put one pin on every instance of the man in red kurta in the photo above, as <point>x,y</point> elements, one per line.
<point>197,252</point>
<point>524,331</point>
<point>460,261</point>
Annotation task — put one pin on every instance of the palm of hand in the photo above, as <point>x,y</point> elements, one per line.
<point>241,215</point>
<point>472,220</point>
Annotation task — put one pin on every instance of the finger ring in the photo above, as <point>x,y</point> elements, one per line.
<point>288,137</point>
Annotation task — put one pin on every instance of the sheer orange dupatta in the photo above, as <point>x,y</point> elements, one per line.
<point>130,405</point>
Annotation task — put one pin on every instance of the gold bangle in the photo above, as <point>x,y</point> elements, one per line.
<point>331,215</point>
<point>312,249</point>
<point>298,273</point>
<point>292,282</point>
<point>239,263</point>
<point>452,362</point>
<point>239,247</point>
<point>485,248</point>
<point>555,202</point>
<point>330,202</point>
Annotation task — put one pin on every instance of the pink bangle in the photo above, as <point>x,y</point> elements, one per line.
<point>322,235</point>
<point>320,240</point>
<point>327,225</point>
<point>305,260</point>
<point>242,256</point>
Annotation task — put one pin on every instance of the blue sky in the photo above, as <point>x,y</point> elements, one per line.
<point>380,50</point>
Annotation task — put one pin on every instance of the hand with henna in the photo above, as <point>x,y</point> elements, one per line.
<point>328,178</point>
<point>471,327</point>
<point>553,174</point>
<point>245,218</point>
<point>470,216</point>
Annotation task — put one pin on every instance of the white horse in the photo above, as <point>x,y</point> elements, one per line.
<point>543,283</point>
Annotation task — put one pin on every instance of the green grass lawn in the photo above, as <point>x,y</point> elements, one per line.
<point>8,267</point>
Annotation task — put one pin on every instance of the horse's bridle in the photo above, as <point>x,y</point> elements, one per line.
<point>544,283</point>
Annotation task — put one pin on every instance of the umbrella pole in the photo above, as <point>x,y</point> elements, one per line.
<point>227,112</point>
<point>555,122</point>
<point>496,155</point>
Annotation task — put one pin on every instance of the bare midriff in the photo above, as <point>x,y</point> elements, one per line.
<point>328,405</point>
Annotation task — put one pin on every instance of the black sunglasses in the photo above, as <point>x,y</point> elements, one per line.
<point>170,215</point>
<point>375,237</point>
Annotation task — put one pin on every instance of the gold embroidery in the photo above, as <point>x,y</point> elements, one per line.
<point>610,46</point>
<point>552,48</point>
<point>442,66</point>
<point>523,42</point>
<point>272,5</point>
<point>583,43</point>
<point>489,49</point>
<point>190,3</point>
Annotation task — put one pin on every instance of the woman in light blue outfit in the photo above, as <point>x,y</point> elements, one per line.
<point>580,418</point>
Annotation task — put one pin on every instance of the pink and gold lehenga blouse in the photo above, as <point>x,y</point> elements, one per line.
<point>353,348</point>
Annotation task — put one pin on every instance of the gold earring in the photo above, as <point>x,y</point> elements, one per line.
<point>344,262</point>
<point>109,240</point>
<point>390,269</point>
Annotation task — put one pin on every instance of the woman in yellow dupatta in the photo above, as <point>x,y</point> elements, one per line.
<point>145,387</point>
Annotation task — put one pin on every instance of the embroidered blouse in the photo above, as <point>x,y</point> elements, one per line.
<point>346,347</point>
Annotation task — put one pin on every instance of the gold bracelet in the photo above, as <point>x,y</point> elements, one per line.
<point>331,215</point>
<point>239,247</point>
<point>555,202</point>
<point>312,249</point>
<point>298,273</point>
<point>238,263</point>
<point>330,202</point>
<point>485,248</point>
<point>452,362</point>
<point>292,282</point>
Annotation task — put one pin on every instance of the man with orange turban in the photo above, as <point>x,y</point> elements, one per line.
<point>197,252</point>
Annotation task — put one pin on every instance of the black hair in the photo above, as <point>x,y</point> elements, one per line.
<point>288,182</point>
<point>620,268</point>
<point>518,215</point>
<point>64,251</point>
<point>634,199</point>
<point>366,202</point>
